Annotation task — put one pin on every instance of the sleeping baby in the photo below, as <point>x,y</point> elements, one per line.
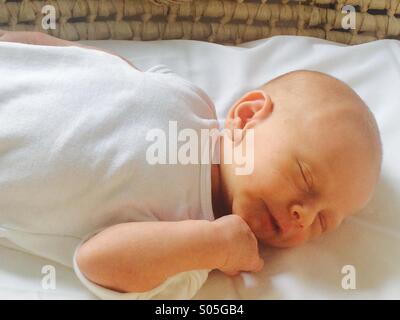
<point>84,137</point>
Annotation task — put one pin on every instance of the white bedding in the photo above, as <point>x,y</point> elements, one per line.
<point>370,241</point>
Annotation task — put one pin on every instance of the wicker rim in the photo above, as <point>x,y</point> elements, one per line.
<point>223,21</point>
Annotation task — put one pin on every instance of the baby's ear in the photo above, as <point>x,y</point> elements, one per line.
<point>249,110</point>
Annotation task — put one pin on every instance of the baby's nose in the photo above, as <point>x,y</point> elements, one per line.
<point>302,216</point>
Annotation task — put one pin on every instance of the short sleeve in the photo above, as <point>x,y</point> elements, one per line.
<point>182,286</point>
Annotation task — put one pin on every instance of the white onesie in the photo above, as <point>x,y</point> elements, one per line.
<point>74,134</point>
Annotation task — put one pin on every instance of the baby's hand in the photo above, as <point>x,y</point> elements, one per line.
<point>241,246</point>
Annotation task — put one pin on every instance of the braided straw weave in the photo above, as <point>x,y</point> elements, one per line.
<point>223,21</point>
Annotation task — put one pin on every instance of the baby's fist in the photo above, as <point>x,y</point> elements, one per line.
<point>241,247</point>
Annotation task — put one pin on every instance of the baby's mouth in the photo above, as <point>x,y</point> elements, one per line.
<point>276,228</point>
<point>275,225</point>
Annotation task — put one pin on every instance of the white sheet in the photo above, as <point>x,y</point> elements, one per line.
<point>370,241</point>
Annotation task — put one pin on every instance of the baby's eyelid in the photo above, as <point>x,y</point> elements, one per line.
<point>322,222</point>
<point>307,177</point>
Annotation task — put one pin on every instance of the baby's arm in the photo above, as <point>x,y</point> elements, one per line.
<point>139,256</point>
<point>39,38</point>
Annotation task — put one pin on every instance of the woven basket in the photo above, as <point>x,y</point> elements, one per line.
<point>222,21</point>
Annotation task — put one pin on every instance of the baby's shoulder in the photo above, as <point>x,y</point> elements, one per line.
<point>192,95</point>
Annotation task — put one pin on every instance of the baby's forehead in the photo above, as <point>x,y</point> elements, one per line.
<point>325,114</point>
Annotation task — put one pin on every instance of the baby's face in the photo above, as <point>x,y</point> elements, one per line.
<point>312,169</point>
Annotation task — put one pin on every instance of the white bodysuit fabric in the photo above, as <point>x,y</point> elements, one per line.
<point>74,136</point>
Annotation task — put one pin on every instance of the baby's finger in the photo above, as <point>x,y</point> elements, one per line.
<point>232,273</point>
<point>258,266</point>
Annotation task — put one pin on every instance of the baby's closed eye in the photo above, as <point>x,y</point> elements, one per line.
<point>306,177</point>
<point>319,225</point>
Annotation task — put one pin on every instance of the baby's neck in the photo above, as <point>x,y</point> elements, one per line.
<point>220,203</point>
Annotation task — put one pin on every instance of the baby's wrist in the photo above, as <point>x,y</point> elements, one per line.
<point>222,243</point>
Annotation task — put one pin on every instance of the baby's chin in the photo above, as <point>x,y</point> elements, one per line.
<point>277,242</point>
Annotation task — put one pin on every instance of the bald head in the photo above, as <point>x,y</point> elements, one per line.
<point>325,98</point>
<point>317,157</point>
